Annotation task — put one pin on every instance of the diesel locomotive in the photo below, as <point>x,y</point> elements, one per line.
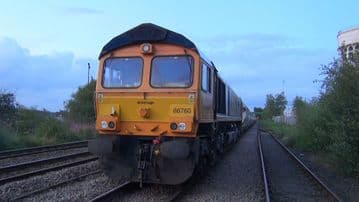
<point>163,112</point>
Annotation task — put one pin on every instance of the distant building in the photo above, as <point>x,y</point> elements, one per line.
<point>288,117</point>
<point>348,41</point>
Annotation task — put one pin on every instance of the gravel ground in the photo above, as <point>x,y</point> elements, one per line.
<point>83,190</point>
<point>237,177</point>
<point>147,193</point>
<point>33,157</point>
<point>14,189</point>
<point>42,166</point>
<point>287,181</point>
<point>347,188</point>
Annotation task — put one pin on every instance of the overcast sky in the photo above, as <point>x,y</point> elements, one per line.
<point>259,47</point>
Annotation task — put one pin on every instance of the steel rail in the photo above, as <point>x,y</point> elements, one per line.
<point>27,195</point>
<point>184,188</point>
<point>306,169</point>
<point>108,194</point>
<point>264,174</point>
<point>45,170</point>
<point>42,161</point>
<point>41,149</point>
<point>176,196</point>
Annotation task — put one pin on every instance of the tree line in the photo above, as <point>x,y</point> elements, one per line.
<point>23,127</point>
<point>328,123</point>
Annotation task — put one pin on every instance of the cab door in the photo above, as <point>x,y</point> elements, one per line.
<point>207,107</point>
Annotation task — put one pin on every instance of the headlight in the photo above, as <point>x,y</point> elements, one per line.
<point>182,126</point>
<point>146,48</point>
<point>100,97</point>
<point>104,124</point>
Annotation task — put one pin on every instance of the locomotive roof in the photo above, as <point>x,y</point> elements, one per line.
<point>147,32</point>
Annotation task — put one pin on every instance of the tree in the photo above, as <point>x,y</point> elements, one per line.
<point>298,103</point>
<point>258,111</point>
<point>81,105</point>
<point>275,105</point>
<point>280,103</point>
<point>269,108</point>
<point>339,110</point>
<point>8,107</point>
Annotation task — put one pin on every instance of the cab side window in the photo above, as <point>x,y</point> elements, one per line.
<point>206,78</point>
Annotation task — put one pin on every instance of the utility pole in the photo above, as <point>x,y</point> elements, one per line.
<point>88,73</point>
<point>283,89</point>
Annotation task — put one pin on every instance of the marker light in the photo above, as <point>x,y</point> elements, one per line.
<point>182,126</point>
<point>173,126</point>
<point>111,124</point>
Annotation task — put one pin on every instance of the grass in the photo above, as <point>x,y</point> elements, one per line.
<point>46,132</point>
<point>292,135</point>
<point>288,133</point>
<point>296,138</point>
<point>7,138</point>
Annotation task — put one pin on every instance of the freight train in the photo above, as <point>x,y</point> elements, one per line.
<point>248,118</point>
<point>163,112</point>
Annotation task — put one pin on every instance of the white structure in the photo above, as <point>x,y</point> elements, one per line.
<point>348,41</point>
<point>288,118</point>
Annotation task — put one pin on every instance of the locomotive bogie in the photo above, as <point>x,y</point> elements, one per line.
<point>142,159</point>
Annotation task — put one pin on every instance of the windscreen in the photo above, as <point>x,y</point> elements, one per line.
<point>172,71</point>
<point>122,72</point>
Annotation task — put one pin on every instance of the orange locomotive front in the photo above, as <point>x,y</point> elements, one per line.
<point>157,121</point>
<point>150,93</point>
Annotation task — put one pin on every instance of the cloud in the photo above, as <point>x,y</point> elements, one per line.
<point>253,65</point>
<point>45,81</point>
<point>81,11</point>
<point>258,64</point>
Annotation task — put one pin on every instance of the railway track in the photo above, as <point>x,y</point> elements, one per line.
<point>107,195</point>
<point>54,186</point>
<point>42,149</point>
<point>25,170</point>
<point>299,182</point>
<point>42,161</point>
<point>183,189</point>
<point>264,173</point>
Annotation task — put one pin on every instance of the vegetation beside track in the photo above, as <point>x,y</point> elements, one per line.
<point>328,124</point>
<point>26,127</point>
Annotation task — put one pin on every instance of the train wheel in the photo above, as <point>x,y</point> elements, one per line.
<point>220,143</point>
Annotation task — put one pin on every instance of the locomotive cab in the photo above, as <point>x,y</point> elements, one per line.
<point>147,94</point>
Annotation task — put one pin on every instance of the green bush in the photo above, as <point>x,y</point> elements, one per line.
<point>28,119</point>
<point>309,137</point>
<point>287,133</point>
<point>36,129</point>
<point>338,121</point>
<point>7,138</point>
<point>23,127</point>
<point>80,107</point>
<point>55,131</point>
